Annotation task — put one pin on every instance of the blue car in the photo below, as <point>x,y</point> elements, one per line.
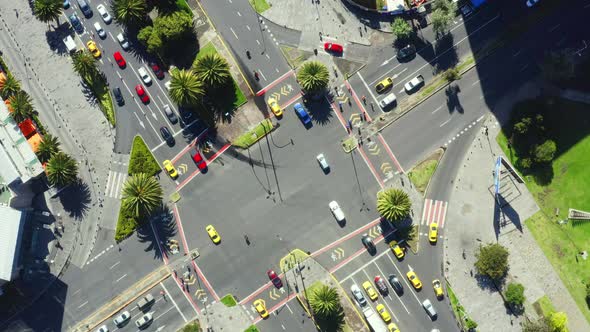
<point>66,4</point>
<point>76,24</point>
<point>302,114</point>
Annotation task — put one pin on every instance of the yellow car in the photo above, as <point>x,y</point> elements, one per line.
<point>261,308</point>
<point>93,49</point>
<point>414,280</point>
<point>213,234</point>
<point>383,313</point>
<point>385,84</point>
<point>438,291</point>
<point>433,233</point>
<point>370,290</point>
<point>397,250</point>
<point>170,169</point>
<point>392,327</point>
<point>274,107</point>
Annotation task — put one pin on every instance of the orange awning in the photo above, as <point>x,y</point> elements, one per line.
<point>34,141</point>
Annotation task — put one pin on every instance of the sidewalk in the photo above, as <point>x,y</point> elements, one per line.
<point>474,210</point>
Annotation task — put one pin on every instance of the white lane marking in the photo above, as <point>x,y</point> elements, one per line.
<point>117,263</point>
<point>165,312</point>
<point>261,74</point>
<point>76,292</point>
<point>287,305</point>
<point>437,109</point>
<point>362,267</point>
<point>257,41</point>
<point>524,67</point>
<point>517,53</point>
<point>444,123</point>
<point>239,14</point>
<point>83,304</point>
<point>474,83</point>
<point>368,88</point>
<point>173,302</point>
<point>108,182</point>
<point>268,57</point>
<point>123,276</point>
<point>554,28</point>
<point>389,293</point>
<point>139,120</point>
<point>232,30</point>
<point>248,27</point>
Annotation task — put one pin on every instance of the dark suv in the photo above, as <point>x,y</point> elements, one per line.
<point>118,96</point>
<point>368,243</point>
<point>167,135</point>
<point>75,21</point>
<point>406,52</point>
<point>395,284</point>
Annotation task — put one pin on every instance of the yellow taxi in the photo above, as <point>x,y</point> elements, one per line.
<point>370,290</point>
<point>438,291</point>
<point>433,233</point>
<point>392,327</point>
<point>213,234</point>
<point>414,280</point>
<point>93,49</point>
<point>170,169</point>
<point>397,250</point>
<point>385,84</point>
<point>274,107</point>
<point>261,308</point>
<point>383,313</point>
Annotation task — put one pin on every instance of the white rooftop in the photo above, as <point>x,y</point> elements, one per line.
<point>11,225</point>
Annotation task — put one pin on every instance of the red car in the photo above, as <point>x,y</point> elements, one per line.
<point>119,59</point>
<point>381,285</point>
<point>198,159</point>
<point>274,278</point>
<point>142,94</point>
<point>157,70</point>
<point>332,47</point>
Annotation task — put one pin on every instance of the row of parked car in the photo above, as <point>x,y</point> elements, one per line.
<point>143,321</point>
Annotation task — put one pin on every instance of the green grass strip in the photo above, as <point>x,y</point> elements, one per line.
<point>421,174</point>
<point>142,160</point>
<point>252,136</point>
<point>251,328</point>
<point>229,300</point>
<point>182,5</point>
<point>259,5</point>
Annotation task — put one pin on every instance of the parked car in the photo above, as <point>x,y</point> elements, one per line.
<point>381,285</point>
<point>467,10</point>
<point>429,308</point>
<point>406,52</point>
<point>66,4</point>
<point>333,47</point>
<point>368,243</point>
<point>99,30</point>
<point>395,284</point>
<point>358,295</point>
<point>384,84</point>
<point>531,3</point>
<point>414,84</point>
<point>148,299</point>
<point>85,8</point>
<point>170,114</point>
<point>103,328</point>
<point>142,94</point>
<point>122,318</point>
<point>145,77</point>
<point>167,135</point>
<point>144,320</point>
<point>118,96</point>
<point>336,211</point>
<point>76,24</point>
<point>157,70</point>
<point>383,313</point>
<point>272,275</point>
<point>119,60</point>
<point>302,114</point>
<point>123,41</point>
<point>106,17</point>
<point>370,290</point>
<point>323,163</point>
<point>387,101</point>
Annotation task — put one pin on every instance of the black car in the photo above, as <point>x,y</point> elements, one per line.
<point>381,285</point>
<point>406,52</point>
<point>167,135</point>
<point>75,21</point>
<point>118,96</point>
<point>395,284</point>
<point>157,70</point>
<point>186,115</point>
<point>368,243</point>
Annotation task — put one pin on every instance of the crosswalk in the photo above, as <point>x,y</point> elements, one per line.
<point>115,183</point>
<point>434,211</point>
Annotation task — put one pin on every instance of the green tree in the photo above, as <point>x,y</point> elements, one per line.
<point>10,86</point>
<point>212,70</point>
<point>440,22</point>
<point>401,29</point>
<point>21,105</point>
<point>393,204</point>
<point>85,64</point>
<point>48,10</point>
<point>141,195</point>
<point>313,77</point>
<point>540,325</point>
<point>325,301</point>
<point>492,261</point>
<point>470,324</point>
<point>174,26</point>
<point>588,294</point>
<point>152,40</point>
<point>48,147</point>
<point>558,322</point>
<point>545,152</point>
<point>522,127</point>
<point>515,294</point>
<point>185,87</point>
<point>61,170</point>
<point>449,7</point>
<point>452,74</point>
<point>130,13</point>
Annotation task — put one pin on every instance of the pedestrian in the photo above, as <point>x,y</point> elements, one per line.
<point>364,100</point>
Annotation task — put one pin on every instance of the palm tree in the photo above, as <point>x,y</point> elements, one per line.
<point>61,170</point>
<point>393,204</point>
<point>22,107</point>
<point>141,194</point>
<point>313,77</point>
<point>129,12</point>
<point>9,86</point>
<point>48,10</point>
<point>85,64</point>
<point>212,70</point>
<point>48,147</point>
<point>325,301</point>
<point>185,87</point>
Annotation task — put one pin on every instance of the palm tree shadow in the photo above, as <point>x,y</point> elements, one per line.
<point>88,94</point>
<point>333,322</point>
<point>320,110</point>
<point>76,199</point>
<point>162,222</point>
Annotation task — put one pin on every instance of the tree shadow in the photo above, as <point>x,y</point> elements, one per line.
<point>320,110</point>
<point>164,225</point>
<point>56,36</point>
<point>76,199</point>
<point>485,283</point>
<point>543,174</point>
<point>332,323</point>
<point>88,93</point>
<point>445,45</point>
<point>182,52</point>
<point>453,103</point>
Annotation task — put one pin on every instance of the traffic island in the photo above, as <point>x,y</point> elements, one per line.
<point>254,135</point>
<point>421,174</point>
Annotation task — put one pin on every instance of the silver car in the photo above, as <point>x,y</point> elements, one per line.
<point>144,320</point>
<point>429,308</point>
<point>336,211</point>
<point>323,162</point>
<point>122,318</point>
<point>123,41</point>
<point>358,295</point>
<point>106,17</point>
<point>99,30</point>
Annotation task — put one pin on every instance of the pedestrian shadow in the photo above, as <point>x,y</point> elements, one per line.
<point>162,220</point>
<point>76,199</point>
<point>453,103</point>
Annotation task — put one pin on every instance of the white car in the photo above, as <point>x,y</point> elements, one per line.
<point>336,211</point>
<point>103,328</point>
<point>429,308</point>
<point>106,17</point>
<point>358,295</point>
<point>123,41</point>
<point>531,3</point>
<point>145,77</point>
<point>122,318</point>
<point>323,162</point>
<point>99,30</point>
<point>144,320</point>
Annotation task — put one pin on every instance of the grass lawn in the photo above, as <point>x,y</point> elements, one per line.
<point>562,186</point>
<point>252,136</point>
<point>421,174</point>
<point>259,5</point>
<point>142,160</point>
<point>191,327</point>
<point>456,305</point>
<point>229,300</point>
<point>544,306</point>
<point>182,5</point>
<point>252,328</point>
<point>103,95</point>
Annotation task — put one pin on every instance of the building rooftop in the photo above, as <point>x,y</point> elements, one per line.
<point>11,227</point>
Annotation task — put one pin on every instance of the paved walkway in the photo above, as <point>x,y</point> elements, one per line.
<point>473,209</point>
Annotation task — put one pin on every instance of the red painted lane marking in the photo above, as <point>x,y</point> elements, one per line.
<point>276,306</point>
<point>207,284</point>
<point>275,82</point>
<point>399,167</point>
<point>338,115</point>
<point>189,295</point>
<point>346,237</point>
<point>180,229</point>
<point>256,292</point>
<point>292,100</point>
<point>444,214</point>
<point>356,99</point>
<point>186,148</point>
<point>197,172</point>
<point>371,167</point>
<point>164,255</point>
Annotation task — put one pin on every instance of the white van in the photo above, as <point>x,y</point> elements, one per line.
<point>70,44</point>
<point>388,100</point>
